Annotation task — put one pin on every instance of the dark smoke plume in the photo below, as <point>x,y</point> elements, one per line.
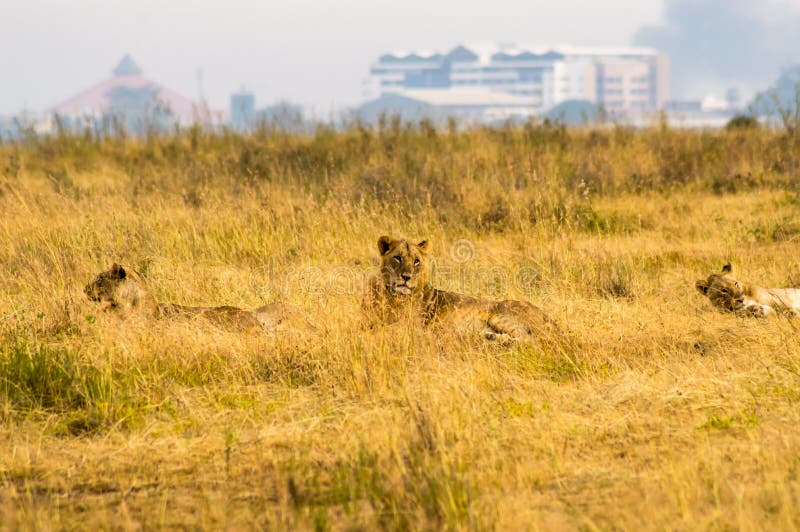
<point>715,44</point>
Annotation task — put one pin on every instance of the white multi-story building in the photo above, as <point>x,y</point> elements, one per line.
<point>624,81</point>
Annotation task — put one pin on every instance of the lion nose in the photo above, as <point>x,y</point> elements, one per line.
<point>406,276</point>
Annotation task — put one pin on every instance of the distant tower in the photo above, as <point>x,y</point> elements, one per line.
<point>733,99</point>
<point>243,110</point>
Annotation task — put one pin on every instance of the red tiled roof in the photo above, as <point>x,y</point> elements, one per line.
<point>95,101</point>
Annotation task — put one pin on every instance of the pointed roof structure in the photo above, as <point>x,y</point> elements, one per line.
<point>127,77</point>
<point>127,67</point>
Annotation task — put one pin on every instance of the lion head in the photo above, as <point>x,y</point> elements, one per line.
<point>120,289</point>
<point>404,265</point>
<point>722,289</point>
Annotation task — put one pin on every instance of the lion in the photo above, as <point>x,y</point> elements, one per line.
<point>123,291</point>
<point>403,289</point>
<point>728,294</point>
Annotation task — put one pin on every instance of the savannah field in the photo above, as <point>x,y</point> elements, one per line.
<point>659,412</point>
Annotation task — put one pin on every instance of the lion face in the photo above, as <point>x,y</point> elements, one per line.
<point>106,286</point>
<point>121,290</point>
<point>404,265</point>
<point>722,289</point>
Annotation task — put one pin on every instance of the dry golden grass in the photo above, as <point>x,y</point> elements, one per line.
<point>665,414</point>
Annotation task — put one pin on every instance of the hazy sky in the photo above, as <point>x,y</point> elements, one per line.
<point>716,44</point>
<point>309,52</point>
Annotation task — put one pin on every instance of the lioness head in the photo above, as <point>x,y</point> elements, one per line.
<point>404,265</point>
<point>722,289</point>
<point>119,289</point>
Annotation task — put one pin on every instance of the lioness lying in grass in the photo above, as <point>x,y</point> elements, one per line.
<point>403,289</point>
<point>726,293</point>
<point>123,291</point>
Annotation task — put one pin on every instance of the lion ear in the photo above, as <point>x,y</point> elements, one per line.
<point>702,287</point>
<point>727,268</point>
<point>424,245</point>
<point>118,271</point>
<point>385,243</point>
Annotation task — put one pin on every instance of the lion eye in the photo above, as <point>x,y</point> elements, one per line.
<point>416,262</point>
<point>398,258</point>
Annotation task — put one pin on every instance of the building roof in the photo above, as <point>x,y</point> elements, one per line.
<point>466,97</point>
<point>484,53</point>
<point>126,75</point>
<point>438,104</point>
<point>566,49</point>
<point>127,67</point>
<point>413,54</point>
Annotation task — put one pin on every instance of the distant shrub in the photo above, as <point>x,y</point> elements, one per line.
<point>742,122</point>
